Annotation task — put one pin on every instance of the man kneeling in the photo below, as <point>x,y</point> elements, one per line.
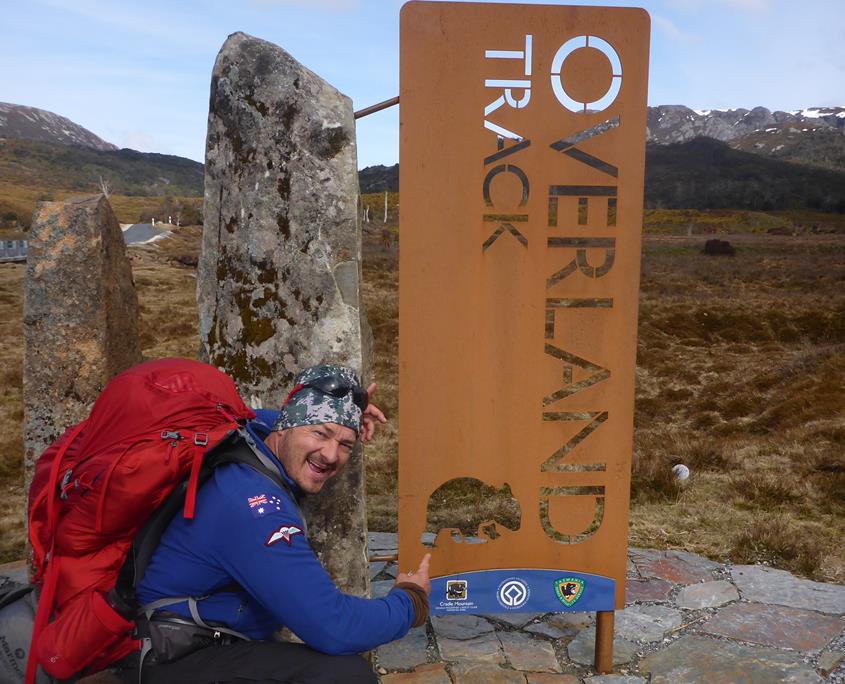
<point>243,566</point>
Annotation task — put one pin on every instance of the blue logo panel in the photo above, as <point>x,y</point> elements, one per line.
<point>521,591</point>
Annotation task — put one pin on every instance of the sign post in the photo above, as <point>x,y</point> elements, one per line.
<point>522,155</point>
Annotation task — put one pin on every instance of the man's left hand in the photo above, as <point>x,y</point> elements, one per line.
<point>371,414</point>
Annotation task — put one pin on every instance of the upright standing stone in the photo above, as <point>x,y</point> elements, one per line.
<point>280,267</point>
<point>80,320</point>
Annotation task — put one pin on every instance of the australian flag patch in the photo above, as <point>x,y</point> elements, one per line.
<point>262,505</point>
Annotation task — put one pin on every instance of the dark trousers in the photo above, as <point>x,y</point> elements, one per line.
<point>249,662</point>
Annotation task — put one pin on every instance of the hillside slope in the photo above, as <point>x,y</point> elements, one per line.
<point>31,171</point>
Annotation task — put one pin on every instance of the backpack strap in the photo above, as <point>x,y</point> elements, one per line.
<point>263,464</point>
<point>236,447</point>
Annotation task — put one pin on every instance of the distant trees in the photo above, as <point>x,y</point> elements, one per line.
<point>708,174</point>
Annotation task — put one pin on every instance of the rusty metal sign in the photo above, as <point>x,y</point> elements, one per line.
<point>522,156</point>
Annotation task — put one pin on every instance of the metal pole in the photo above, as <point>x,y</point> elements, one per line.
<point>377,107</point>
<point>387,558</point>
<point>604,641</point>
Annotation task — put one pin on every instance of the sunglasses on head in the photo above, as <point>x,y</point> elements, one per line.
<point>337,388</point>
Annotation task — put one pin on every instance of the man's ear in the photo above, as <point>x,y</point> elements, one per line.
<point>272,441</point>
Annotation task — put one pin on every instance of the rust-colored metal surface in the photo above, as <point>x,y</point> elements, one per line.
<point>522,155</point>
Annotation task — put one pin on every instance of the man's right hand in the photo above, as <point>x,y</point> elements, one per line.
<point>417,585</point>
<point>418,576</point>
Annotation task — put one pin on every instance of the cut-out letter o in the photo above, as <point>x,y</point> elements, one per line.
<point>567,49</point>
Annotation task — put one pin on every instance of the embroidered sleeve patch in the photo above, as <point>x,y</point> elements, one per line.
<point>262,504</point>
<point>284,533</point>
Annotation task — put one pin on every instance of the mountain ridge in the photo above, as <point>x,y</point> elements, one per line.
<point>705,158</point>
<point>813,136</point>
<point>30,123</point>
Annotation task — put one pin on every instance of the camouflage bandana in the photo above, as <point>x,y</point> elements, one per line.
<point>309,406</point>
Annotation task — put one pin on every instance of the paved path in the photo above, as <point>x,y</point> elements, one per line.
<point>687,620</point>
<point>143,233</point>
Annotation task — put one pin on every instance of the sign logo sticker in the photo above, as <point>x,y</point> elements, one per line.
<point>569,589</point>
<point>513,593</point>
<point>456,590</point>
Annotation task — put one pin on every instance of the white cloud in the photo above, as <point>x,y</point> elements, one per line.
<point>341,5</point>
<point>141,141</point>
<point>667,27</point>
<point>746,5</point>
<point>169,27</point>
<point>749,5</point>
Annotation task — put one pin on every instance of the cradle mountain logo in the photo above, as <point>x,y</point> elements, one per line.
<point>456,590</point>
<point>569,589</point>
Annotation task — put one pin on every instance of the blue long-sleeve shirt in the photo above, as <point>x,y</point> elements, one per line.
<point>247,531</point>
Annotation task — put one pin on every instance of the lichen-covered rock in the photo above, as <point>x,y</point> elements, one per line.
<point>80,319</point>
<point>278,281</point>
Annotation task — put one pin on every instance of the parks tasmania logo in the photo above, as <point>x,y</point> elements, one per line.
<point>569,589</point>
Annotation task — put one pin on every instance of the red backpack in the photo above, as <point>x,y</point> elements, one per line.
<point>96,485</point>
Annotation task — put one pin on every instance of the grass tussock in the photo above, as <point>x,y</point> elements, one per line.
<point>782,542</point>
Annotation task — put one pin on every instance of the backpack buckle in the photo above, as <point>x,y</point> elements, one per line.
<point>167,434</point>
<point>200,438</point>
<point>65,484</point>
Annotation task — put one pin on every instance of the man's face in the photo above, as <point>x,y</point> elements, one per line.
<point>312,454</point>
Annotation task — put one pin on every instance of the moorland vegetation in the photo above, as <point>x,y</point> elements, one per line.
<point>741,376</point>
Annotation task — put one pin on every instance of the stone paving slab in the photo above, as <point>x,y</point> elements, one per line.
<point>382,542</point>
<point>779,626</point>
<point>546,678</point>
<point>702,660</point>
<point>405,653</point>
<point>461,626</point>
<point>706,595</point>
<point>614,679</point>
<point>582,648</point>
<point>434,673</point>
<point>514,619</point>
<point>646,623</point>
<point>561,625</point>
<point>651,589</point>
<point>767,585</point>
<point>677,567</point>
<point>15,571</point>
<point>381,588</point>
<point>486,648</point>
<point>525,653</point>
<point>482,673</point>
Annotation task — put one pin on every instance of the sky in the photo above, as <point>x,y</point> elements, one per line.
<point>137,73</point>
